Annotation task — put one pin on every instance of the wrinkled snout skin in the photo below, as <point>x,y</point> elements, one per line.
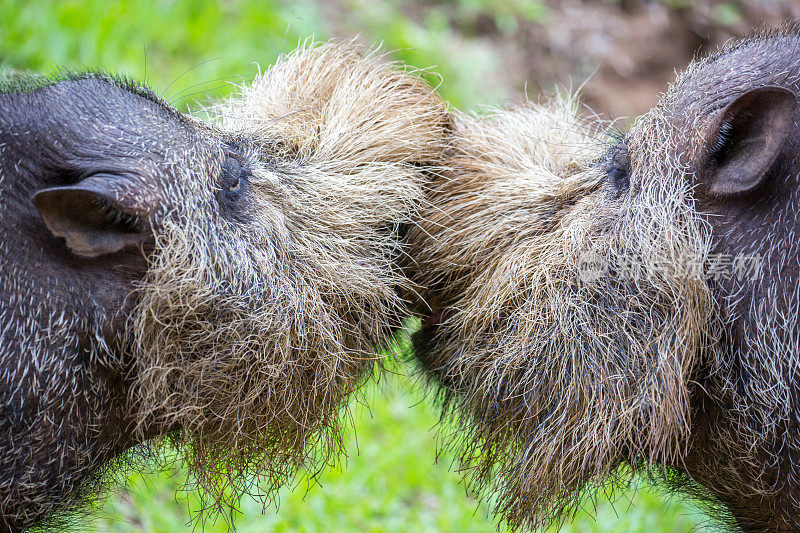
<point>227,283</point>
<point>596,303</point>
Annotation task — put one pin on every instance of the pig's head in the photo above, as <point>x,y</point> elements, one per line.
<point>728,133</point>
<point>631,300</point>
<point>85,166</point>
<point>228,283</point>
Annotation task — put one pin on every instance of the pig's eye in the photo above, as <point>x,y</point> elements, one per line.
<point>619,178</point>
<point>233,173</point>
<point>234,185</point>
<point>617,168</point>
<point>232,192</point>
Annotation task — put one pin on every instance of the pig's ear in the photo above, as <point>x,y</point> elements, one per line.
<point>746,139</point>
<point>94,216</point>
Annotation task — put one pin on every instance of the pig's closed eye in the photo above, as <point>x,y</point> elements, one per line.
<point>234,172</point>
<point>619,177</point>
<point>233,185</point>
<point>233,192</point>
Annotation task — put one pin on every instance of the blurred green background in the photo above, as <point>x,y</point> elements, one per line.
<point>478,52</point>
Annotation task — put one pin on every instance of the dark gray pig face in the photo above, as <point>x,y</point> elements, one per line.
<point>89,167</point>
<point>228,285</point>
<point>728,131</point>
<point>597,304</point>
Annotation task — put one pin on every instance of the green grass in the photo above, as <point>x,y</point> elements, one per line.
<point>193,50</point>
<point>186,50</point>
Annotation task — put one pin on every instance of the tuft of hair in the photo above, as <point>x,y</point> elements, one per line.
<point>251,337</point>
<point>534,342</point>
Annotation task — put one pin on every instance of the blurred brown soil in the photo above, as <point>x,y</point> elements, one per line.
<point>629,50</point>
<point>625,51</point>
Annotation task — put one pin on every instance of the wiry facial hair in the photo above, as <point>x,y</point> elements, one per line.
<point>557,375</point>
<point>251,336</point>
